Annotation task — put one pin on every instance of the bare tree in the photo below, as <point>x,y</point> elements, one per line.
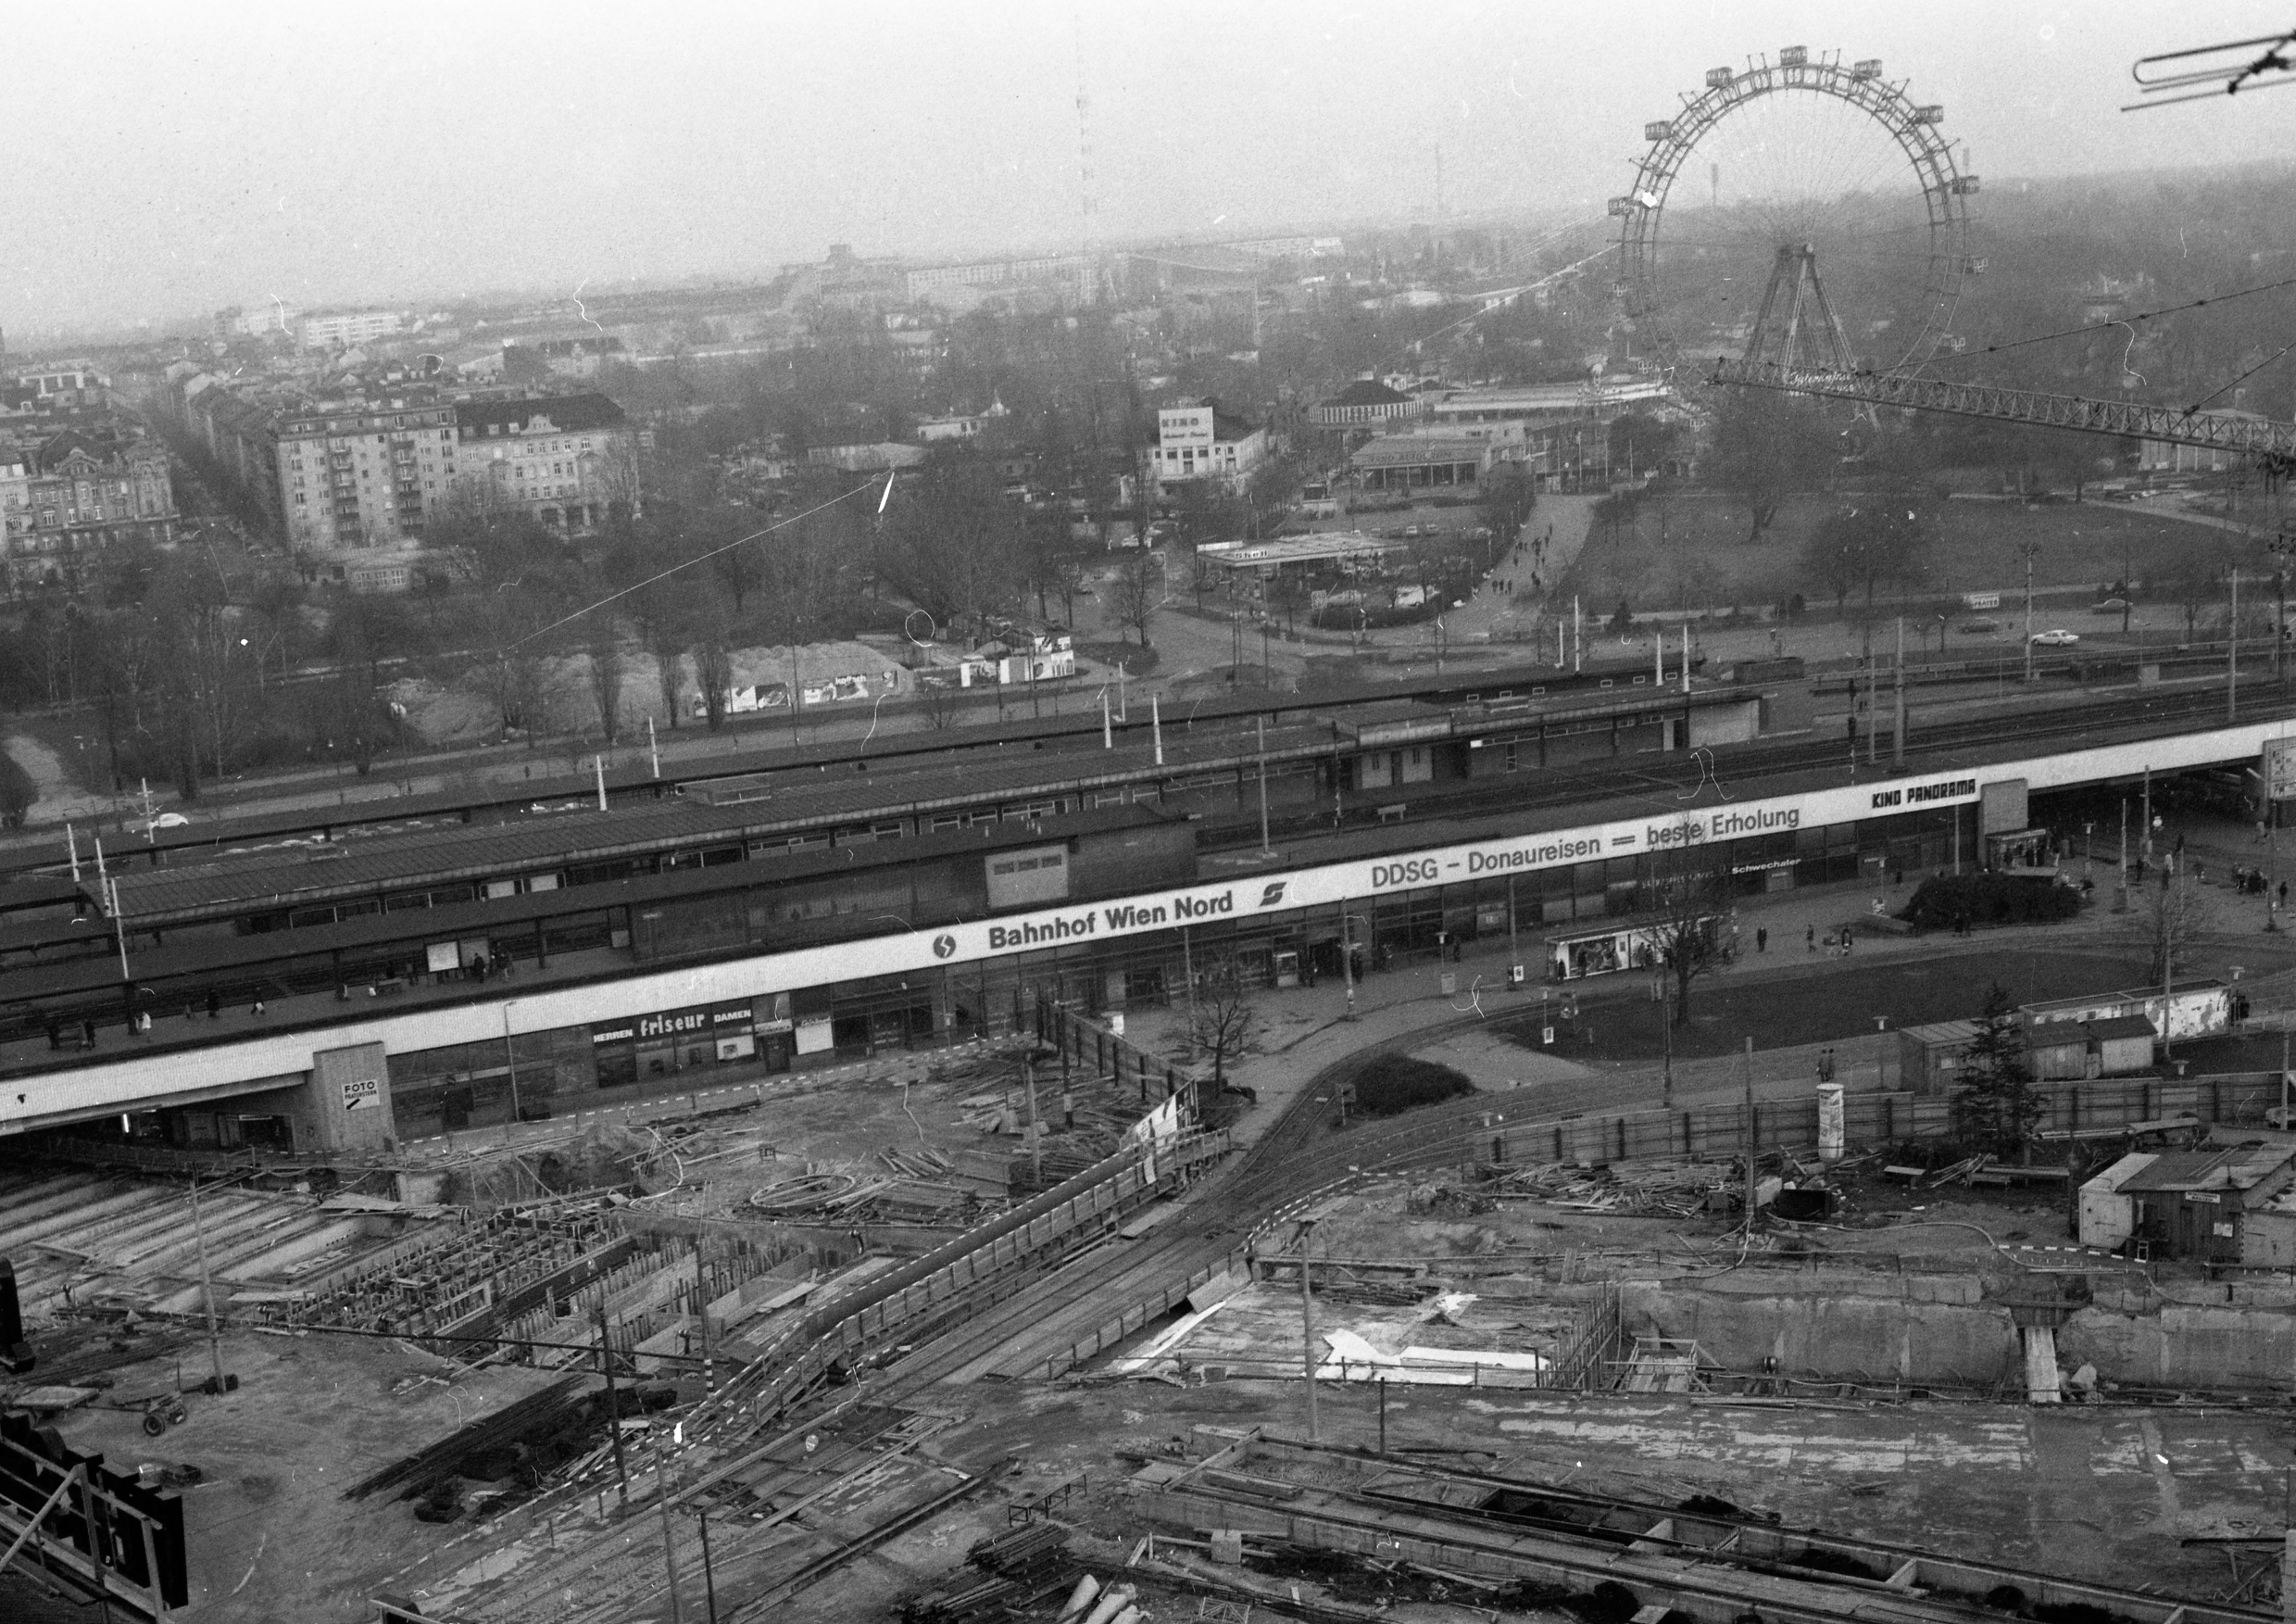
<point>1688,895</point>
<point>2166,924</point>
<point>713,666</point>
<point>1136,592</point>
<point>953,546</point>
<point>940,702</point>
<point>660,608</point>
<point>606,675</point>
<point>1223,1018</point>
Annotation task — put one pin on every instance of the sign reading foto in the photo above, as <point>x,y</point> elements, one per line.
<point>362,1094</point>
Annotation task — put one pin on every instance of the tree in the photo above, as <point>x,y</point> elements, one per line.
<point>499,543</point>
<point>1688,896</point>
<point>737,568</point>
<point>605,674</point>
<point>1881,540</point>
<point>713,666</point>
<point>18,792</point>
<point>1137,592</point>
<point>2164,924</point>
<point>1639,442</point>
<point>2195,580</point>
<point>1765,448</point>
<point>1995,1108</point>
<point>1507,497</point>
<point>1224,1020</point>
<point>953,545</point>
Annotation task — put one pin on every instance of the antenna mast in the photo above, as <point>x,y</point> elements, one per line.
<point>1088,282</point>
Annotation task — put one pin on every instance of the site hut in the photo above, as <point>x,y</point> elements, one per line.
<point>1931,1057</point>
<point>2221,1206</point>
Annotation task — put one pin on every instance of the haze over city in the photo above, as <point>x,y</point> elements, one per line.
<point>1070,814</point>
<point>217,154</point>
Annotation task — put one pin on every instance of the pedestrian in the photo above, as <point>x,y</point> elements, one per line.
<point>257,1012</point>
<point>87,1032</point>
<point>55,1033</point>
<point>1810,937</point>
<point>215,1006</point>
<point>1845,941</point>
<point>1761,939</point>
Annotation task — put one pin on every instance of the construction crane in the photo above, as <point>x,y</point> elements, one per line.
<point>2272,443</point>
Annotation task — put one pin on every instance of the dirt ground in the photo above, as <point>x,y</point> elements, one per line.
<point>270,1537</point>
<point>2096,1494</point>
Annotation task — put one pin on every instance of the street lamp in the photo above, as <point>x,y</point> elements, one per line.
<point>1347,958</point>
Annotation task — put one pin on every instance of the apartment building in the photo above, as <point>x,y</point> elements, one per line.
<point>357,474</point>
<point>563,459</point>
<point>340,329</point>
<point>75,493</point>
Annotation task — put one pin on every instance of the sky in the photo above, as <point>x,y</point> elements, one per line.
<point>168,161</point>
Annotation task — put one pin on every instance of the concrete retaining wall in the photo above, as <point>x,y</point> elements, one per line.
<point>1938,1329</point>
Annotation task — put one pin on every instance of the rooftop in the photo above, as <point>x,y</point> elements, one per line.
<point>1367,392</point>
<point>568,413</point>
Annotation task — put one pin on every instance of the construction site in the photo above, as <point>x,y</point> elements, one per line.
<point>1020,1329</point>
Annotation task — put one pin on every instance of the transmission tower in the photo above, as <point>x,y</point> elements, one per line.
<point>1796,328</point>
<point>1088,288</point>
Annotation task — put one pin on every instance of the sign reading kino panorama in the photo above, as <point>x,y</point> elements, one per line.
<point>1695,824</point>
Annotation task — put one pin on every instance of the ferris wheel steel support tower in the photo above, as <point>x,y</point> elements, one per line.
<point>1913,127</point>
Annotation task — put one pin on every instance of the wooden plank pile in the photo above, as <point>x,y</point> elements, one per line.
<point>1640,1189</point>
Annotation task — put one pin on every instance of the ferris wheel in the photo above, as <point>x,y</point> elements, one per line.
<point>1800,211</point>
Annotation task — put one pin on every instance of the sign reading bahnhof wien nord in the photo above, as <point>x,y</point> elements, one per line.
<point>612,1009</point>
<point>1694,824</point>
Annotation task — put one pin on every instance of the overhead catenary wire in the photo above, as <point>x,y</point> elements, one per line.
<point>2120,321</point>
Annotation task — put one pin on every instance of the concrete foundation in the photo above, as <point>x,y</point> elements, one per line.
<point>1942,1329</point>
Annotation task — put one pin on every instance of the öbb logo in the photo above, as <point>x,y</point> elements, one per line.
<point>943,946</point>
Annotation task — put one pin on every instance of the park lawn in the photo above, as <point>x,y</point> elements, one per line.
<point>1689,549</point>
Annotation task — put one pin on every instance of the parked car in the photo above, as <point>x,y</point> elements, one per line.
<point>2111,606</point>
<point>1981,626</point>
<point>2058,638</point>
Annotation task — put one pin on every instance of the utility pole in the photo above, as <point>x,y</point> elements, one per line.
<point>669,1532</point>
<point>2232,651</point>
<point>1872,702</point>
<point>1347,958</point>
<point>2030,549</point>
<point>2120,897</point>
<point>613,1404</point>
<point>1666,1033</point>
<point>207,1288</point>
<point>1036,1137</point>
<point>1266,850</point>
<point>2168,961</point>
<point>1750,1133</point>
<point>1896,748</point>
<point>1307,1319</point>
